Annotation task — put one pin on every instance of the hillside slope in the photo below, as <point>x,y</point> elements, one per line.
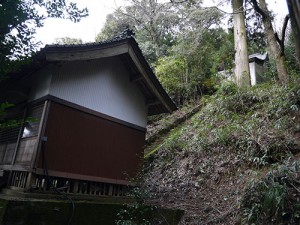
<point>233,162</point>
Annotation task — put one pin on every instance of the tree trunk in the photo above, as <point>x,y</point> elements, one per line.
<point>294,10</point>
<point>274,46</point>
<point>242,71</point>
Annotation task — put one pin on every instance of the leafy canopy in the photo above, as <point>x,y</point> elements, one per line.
<point>19,20</point>
<point>155,25</point>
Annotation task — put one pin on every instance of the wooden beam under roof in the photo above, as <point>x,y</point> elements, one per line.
<point>152,102</point>
<point>136,78</point>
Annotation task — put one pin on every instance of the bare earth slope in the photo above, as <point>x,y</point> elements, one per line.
<point>233,162</point>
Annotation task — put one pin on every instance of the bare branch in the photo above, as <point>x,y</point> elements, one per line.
<point>258,9</point>
<point>281,41</point>
<point>229,13</point>
<point>285,23</point>
<point>182,1</point>
<point>277,38</point>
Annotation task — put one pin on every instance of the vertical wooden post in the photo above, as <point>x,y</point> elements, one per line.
<point>75,191</point>
<point>16,148</point>
<point>31,175</point>
<point>110,191</point>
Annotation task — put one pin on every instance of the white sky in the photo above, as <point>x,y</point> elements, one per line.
<point>90,26</point>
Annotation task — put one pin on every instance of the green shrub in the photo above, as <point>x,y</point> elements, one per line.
<point>274,199</point>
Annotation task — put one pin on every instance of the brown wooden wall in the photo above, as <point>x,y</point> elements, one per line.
<point>87,145</point>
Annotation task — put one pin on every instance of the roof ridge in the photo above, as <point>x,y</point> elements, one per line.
<point>116,39</point>
<point>124,35</point>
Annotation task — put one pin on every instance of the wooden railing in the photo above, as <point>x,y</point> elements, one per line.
<point>43,184</point>
<point>18,179</point>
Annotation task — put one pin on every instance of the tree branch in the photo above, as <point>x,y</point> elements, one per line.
<point>230,13</point>
<point>182,1</point>
<point>277,38</point>
<point>281,41</point>
<point>211,7</point>
<point>258,9</point>
<point>286,20</point>
<point>264,16</point>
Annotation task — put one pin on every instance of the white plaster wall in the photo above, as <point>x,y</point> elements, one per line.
<point>252,73</point>
<point>101,85</point>
<point>259,73</point>
<point>40,83</point>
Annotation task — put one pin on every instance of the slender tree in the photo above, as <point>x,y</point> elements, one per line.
<point>294,10</point>
<point>242,71</point>
<point>275,44</point>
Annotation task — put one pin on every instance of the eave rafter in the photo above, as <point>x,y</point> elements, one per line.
<point>136,78</point>
<point>151,102</point>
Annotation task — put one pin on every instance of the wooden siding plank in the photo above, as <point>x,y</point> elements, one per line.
<point>85,147</point>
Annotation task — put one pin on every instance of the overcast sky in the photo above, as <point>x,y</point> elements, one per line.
<point>89,27</point>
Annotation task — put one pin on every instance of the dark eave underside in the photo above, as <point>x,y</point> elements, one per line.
<point>154,105</point>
